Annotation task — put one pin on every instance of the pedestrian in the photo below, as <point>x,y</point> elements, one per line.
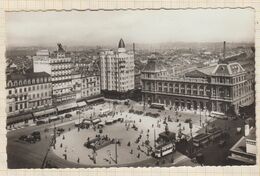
<point>60,145</point>
<point>63,137</point>
<point>78,160</point>
<point>138,156</point>
<point>129,144</point>
<point>131,151</point>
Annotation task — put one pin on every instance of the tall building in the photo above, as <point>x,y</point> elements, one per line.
<point>61,69</point>
<point>223,87</point>
<point>59,65</point>
<point>27,93</point>
<point>117,69</point>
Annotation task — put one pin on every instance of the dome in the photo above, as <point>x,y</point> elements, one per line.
<point>121,44</point>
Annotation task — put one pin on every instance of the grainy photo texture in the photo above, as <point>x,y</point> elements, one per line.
<point>156,88</point>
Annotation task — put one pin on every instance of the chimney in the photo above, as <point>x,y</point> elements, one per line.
<point>134,49</point>
<point>224,50</point>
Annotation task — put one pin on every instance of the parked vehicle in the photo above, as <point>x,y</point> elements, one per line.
<point>31,139</point>
<point>68,115</point>
<point>23,137</point>
<point>40,122</point>
<point>36,135</point>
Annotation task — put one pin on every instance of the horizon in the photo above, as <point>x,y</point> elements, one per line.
<point>88,28</point>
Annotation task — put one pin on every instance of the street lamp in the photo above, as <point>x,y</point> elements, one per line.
<point>191,143</point>
<point>116,151</point>
<point>200,116</point>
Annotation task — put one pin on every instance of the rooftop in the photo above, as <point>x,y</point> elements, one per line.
<point>153,66</point>
<point>27,76</point>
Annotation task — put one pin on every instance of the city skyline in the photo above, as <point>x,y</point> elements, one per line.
<point>209,25</point>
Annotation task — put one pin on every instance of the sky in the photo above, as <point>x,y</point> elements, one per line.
<point>92,28</point>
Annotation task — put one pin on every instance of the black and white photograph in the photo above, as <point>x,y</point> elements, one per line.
<point>130,88</point>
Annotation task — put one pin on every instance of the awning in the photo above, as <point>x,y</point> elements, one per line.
<point>19,118</point>
<point>47,111</point>
<point>81,104</point>
<point>67,106</point>
<point>95,99</point>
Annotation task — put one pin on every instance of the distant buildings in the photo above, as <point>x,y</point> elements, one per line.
<point>222,88</point>
<point>26,93</point>
<point>117,69</point>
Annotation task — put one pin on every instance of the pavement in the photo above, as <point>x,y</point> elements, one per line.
<point>24,155</point>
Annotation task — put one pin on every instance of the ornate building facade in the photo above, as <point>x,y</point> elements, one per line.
<point>222,87</point>
<point>28,92</point>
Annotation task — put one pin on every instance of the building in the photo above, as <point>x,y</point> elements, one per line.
<point>222,87</point>
<point>61,69</point>
<point>117,69</point>
<point>244,151</point>
<point>59,65</point>
<point>41,61</point>
<point>27,93</point>
<point>90,85</point>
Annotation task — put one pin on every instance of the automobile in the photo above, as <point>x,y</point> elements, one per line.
<point>31,139</point>
<point>60,130</point>
<point>36,135</point>
<point>68,115</point>
<point>23,137</point>
<point>222,143</point>
<point>40,122</point>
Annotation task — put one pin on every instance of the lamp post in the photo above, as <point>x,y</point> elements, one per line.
<point>200,116</point>
<point>191,143</point>
<point>116,151</point>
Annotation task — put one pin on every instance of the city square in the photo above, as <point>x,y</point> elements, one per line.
<point>130,93</point>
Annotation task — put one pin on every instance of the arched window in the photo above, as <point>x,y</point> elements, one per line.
<point>10,84</point>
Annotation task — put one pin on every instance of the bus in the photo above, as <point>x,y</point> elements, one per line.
<point>218,115</point>
<point>164,149</point>
<point>157,106</point>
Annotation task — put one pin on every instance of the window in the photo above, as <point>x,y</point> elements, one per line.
<point>29,89</point>
<point>10,109</point>
<point>21,106</point>
<point>25,105</point>
<point>25,89</point>
<point>16,107</point>
<point>10,92</point>
<point>33,88</point>
<point>20,90</point>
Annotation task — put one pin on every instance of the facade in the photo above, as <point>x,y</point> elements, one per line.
<point>86,84</point>
<point>61,69</point>
<point>90,85</point>
<point>41,62</point>
<point>59,65</point>
<point>28,92</point>
<point>117,69</point>
<point>222,87</point>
